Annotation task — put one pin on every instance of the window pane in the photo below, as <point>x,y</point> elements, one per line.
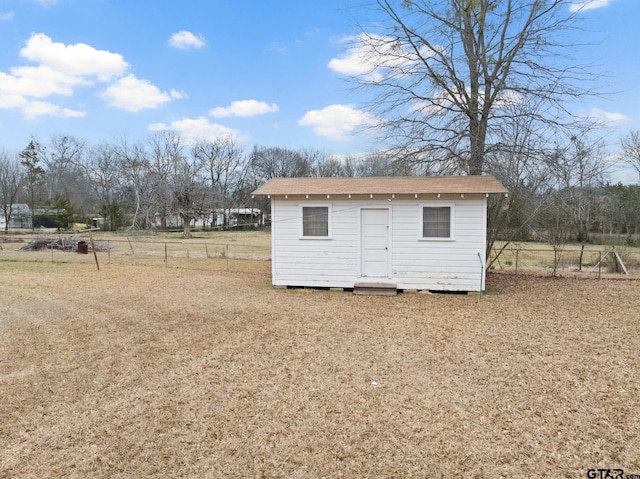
<point>436,222</point>
<point>315,221</point>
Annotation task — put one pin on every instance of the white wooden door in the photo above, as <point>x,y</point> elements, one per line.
<point>374,242</point>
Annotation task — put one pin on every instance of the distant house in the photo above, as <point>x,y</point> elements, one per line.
<point>20,216</point>
<point>238,217</point>
<point>422,233</point>
<point>229,217</point>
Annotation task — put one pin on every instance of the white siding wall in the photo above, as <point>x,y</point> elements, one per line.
<point>415,263</point>
<point>299,261</point>
<point>439,264</point>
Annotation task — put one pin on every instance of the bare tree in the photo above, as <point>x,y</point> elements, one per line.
<point>176,178</point>
<point>11,181</point>
<point>275,162</point>
<point>555,229</point>
<point>331,167</point>
<point>136,182</point>
<point>524,173</point>
<point>631,149</point>
<point>165,151</point>
<point>621,210</point>
<point>443,73</point>
<point>579,171</point>
<point>225,167</point>
<point>103,171</point>
<point>61,160</point>
<point>189,191</point>
<point>380,163</point>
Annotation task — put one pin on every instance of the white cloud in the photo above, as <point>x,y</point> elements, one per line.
<point>78,59</point>
<point>24,83</point>
<point>583,5</point>
<point>196,129</point>
<point>40,81</point>
<point>244,108</point>
<point>61,68</point>
<point>185,40</point>
<point>9,100</point>
<point>606,117</point>
<point>178,95</point>
<point>133,94</point>
<point>356,61</point>
<point>34,109</point>
<point>371,55</point>
<point>7,15</point>
<point>65,66</point>
<point>336,122</point>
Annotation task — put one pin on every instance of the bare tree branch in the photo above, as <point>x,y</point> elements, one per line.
<point>444,73</point>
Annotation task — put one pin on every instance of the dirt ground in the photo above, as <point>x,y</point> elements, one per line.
<point>142,372</point>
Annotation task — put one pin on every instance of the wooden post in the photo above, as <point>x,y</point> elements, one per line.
<point>599,263</point>
<point>226,254</point>
<point>517,255</point>
<point>93,248</point>
<point>624,268</point>
<point>166,258</point>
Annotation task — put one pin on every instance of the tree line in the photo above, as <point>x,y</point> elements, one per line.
<point>141,185</point>
<point>561,193</point>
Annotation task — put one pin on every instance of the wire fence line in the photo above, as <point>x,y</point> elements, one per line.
<point>243,255</point>
<point>596,261</point>
<point>190,254</point>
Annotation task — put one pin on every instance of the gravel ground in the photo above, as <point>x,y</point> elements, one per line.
<point>141,372</point>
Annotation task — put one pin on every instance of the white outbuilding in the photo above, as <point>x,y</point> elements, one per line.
<point>403,233</point>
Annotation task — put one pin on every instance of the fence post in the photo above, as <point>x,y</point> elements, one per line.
<point>517,255</point>
<point>580,261</point>
<point>599,262</point>
<point>166,260</point>
<point>226,254</point>
<point>95,253</point>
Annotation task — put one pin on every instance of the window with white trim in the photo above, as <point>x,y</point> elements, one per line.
<point>437,221</point>
<point>315,221</point>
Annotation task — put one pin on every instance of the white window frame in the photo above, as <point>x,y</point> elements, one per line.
<point>452,215</point>
<point>329,221</point>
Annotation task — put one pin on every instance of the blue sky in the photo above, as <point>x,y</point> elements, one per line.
<point>260,70</point>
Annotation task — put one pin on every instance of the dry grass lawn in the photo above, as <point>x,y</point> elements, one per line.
<point>140,372</point>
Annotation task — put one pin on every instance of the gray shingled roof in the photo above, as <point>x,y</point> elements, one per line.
<point>387,185</point>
